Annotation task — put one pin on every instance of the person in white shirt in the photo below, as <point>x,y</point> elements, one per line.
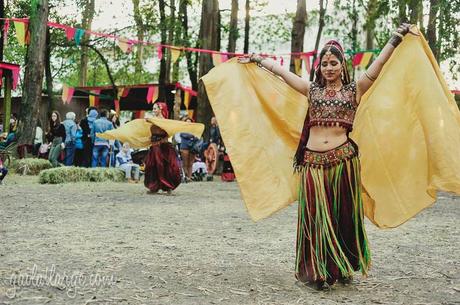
<point>38,141</point>
<point>125,162</point>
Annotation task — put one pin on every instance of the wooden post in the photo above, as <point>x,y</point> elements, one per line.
<point>7,100</point>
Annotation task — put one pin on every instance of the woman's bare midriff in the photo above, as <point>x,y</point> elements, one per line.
<point>323,138</point>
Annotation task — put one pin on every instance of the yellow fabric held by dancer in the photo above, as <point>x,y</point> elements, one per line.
<point>407,128</point>
<point>137,132</point>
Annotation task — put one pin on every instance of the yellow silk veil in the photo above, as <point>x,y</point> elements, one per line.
<point>407,128</point>
<point>137,132</point>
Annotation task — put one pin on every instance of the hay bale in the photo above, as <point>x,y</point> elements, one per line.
<point>69,174</point>
<point>30,166</point>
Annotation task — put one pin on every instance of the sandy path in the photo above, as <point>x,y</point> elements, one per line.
<point>198,247</point>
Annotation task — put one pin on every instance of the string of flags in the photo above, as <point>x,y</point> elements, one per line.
<point>360,58</point>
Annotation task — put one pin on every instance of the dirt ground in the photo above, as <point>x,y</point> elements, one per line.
<point>111,243</point>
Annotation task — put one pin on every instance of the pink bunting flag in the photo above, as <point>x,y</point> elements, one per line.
<point>306,59</point>
<point>281,60</point>
<point>160,51</point>
<point>357,59</point>
<point>152,94</point>
<point>70,33</point>
<point>67,94</point>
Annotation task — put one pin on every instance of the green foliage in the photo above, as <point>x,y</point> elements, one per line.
<point>80,174</point>
<point>30,166</point>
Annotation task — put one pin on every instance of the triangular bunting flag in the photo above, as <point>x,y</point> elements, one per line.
<point>70,33</point>
<point>79,33</point>
<point>298,66</point>
<point>357,59</point>
<point>125,45</point>
<point>21,29</point>
<point>67,94</point>
<point>306,59</point>
<point>160,52</point>
<point>186,99</point>
<point>365,60</point>
<point>152,94</point>
<point>175,53</point>
<point>94,99</point>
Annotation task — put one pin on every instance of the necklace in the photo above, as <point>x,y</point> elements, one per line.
<point>331,91</point>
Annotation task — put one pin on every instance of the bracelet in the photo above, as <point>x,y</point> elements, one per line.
<point>395,40</point>
<point>369,77</point>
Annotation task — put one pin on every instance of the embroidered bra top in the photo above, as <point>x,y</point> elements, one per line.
<point>332,109</point>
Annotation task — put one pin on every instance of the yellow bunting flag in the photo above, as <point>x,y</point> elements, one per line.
<point>186,99</point>
<point>365,60</point>
<point>175,53</point>
<point>298,66</point>
<point>120,92</point>
<point>65,93</point>
<point>20,32</point>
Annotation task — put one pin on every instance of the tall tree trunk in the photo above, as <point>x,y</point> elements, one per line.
<point>414,10</point>
<point>48,74</point>
<point>191,64</point>
<point>171,23</point>
<point>370,23</point>
<point>246,28</point>
<point>322,14</point>
<point>354,30</point>
<point>33,76</point>
<point>402,11</point>
<point>431,28</point>
<point>2,15</point>
<point>233,31</point>
<point>298,31</point>
<point>87,20</point>
<point>209,34</point>
<point>163,34</point>
<point>140,36</point>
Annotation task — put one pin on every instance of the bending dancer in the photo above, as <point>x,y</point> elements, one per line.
<point>331,238</point>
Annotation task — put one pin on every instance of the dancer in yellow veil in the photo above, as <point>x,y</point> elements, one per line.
<point>331,239</point>
<point>162,168</point>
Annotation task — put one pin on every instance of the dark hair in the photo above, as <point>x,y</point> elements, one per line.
<point>117,121</point>
<point>336,49</point>
<point>90,108</point>
<point>103,113</point>
<point>58,120</point>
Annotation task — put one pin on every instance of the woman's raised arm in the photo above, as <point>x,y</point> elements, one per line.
<point>371,74</point>
<point>290,78</point>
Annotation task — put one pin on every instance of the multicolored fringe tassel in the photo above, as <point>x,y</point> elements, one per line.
<point>331,238</point>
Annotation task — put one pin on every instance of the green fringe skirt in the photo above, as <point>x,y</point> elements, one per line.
<point>331,238</point>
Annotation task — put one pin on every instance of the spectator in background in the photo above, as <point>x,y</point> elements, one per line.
<point>56,135</point>
<point>101,146</point>
<point>187,155</point>
<point>125,162</point>
<point>70,133</point>
<point>214,132</point>
<point>38,141</point>
<point>79,147</point>
<point>86,125</point>
<point>3,172</point>
<point>115,145</point>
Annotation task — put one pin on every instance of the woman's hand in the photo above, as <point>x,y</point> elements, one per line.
<point>403,29</point>
<point>244,59</point>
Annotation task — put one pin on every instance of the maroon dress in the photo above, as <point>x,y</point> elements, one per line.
<point>162,169</point>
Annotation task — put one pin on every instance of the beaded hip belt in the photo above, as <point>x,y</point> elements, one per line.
<point>330,158</point>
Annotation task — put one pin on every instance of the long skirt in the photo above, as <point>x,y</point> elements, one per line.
<point>331,238</point>
<point>162,169</point>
